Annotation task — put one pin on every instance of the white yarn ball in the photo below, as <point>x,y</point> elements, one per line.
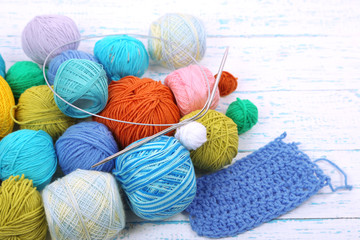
<point>191,135</point>
<point>84,205</point>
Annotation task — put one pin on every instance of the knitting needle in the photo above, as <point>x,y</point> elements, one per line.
<point>171,128</point>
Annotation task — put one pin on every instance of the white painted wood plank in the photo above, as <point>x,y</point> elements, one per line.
<point>290,229</point>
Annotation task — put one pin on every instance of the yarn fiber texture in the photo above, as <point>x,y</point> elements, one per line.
<point>84,144</point>
<point>6,103</point>
<point>222,141</point>
<point>23,75</point>
<point>183,39</point>
<point>244,113</point>
<point>84,205</point>
<point>64,56</point>
<point>192,135</point>
<point>36,110</point>
<point>227,83</point>
<point>122,56</point>
<point>255,189</point>
<point>190,88</point>
<point>45,33</point>
<point>142,101</point>
<point>82,83</point>
<point>22,214</point>
<point>30,153</point>
<point>157,177</point>
<point>2,67</point>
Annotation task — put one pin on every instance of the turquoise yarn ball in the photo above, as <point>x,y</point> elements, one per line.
<point>2,67</point>
<point>122,56</point>
<point>82,83</point>
<point>30,153</point>
<point>158,178</point>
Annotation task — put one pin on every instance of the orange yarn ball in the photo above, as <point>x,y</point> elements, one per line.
<point>138,100</point>
<point>227,84</point>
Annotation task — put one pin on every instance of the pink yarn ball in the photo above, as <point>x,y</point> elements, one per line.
<point>190,88</point>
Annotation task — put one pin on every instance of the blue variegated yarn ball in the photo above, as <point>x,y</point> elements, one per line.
<point>2,67</point>
<point>84,144</point>
<point>64,56</point>
<point>82,83</point>
<point>158,178</point>
<point>122,56</point>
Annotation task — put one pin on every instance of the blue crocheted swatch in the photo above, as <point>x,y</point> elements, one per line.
<point>256,189</point>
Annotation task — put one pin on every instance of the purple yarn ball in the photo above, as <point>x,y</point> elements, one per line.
<point>45,33</point>
<point>64,56</point>
<point>84,144</point>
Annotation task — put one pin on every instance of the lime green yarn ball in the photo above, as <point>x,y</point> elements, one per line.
<point>244,113</point>
<point>222,141</point>
<point>23,75</point>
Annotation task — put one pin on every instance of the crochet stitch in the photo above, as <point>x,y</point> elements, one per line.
<point>256,189</point>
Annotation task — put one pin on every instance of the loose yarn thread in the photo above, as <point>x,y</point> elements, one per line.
<point>191,89</point>
<point>83,83</point>
<point>84,144</point>
<point>22,214</point>
<point>23,75</point>
<point>244,113</point>
<point>45,33</point>
<point>187,36</point>
<point>222,141</point>
<point>122,56</point>
<point>37,110</point>
<point>157,177</point>
<point>84,205</point>
<point>138,100</point>
<point>30,153</point>
<point>7,101</point>
<point>62,57</point>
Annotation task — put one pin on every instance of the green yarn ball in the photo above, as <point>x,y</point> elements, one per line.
<point>244,113</point>
<point>23,75</point>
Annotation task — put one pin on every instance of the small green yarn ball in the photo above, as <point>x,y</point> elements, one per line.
<point>23,75</point>
<point>244,113</point>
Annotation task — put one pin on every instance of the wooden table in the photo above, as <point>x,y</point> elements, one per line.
<point>298,61</point>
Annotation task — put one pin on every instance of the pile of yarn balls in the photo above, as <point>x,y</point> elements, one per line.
<point>49,141</point>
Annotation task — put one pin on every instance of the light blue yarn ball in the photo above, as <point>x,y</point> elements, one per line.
<point>30,153</point>
<point>82,83</point>
<point>158,178</point>
<point>2,67</point>
<point>122,56</point>
<point>64,56</point>
<point>84,144</point>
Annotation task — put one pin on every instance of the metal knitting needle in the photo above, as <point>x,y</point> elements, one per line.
<point>171,128</point>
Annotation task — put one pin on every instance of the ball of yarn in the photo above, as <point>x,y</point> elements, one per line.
<point>6,103</point>
<point>138,100</point>
<point>191,135</point>
<point>30,153</point>
<point>23,75</point>
<point>85,144</point>
<point>157,177</point>
<point>227,84</point>
<point>222,141</point>
<point>45,33</point>
<point>84,205</point>
<point>36,110</point>
<point>2,67</point>
<point>244,113</point>
<point>21,210</point>
<point>183,39</point>
<point>122,56</point>
<point>190,87</point>
<point>82,83</point>
<point>62,57</point>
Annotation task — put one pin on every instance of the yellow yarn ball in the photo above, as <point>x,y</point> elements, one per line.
<point>22,214</point>
<point>37,110</point>
<point>6,103</point>
<point>222,141</point>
